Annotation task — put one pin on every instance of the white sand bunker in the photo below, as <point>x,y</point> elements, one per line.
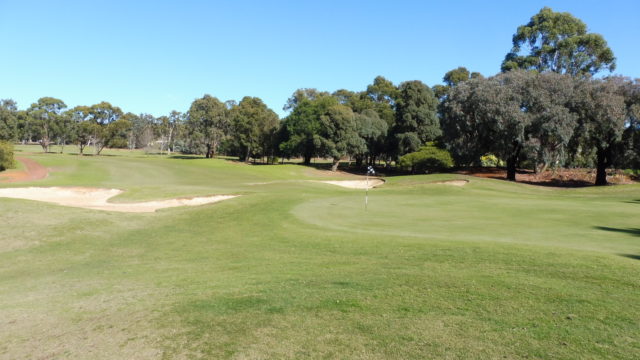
<point>356,184</point>
<point>453,182</point>
<point>97,199</point>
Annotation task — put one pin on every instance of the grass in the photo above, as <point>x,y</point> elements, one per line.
<point>294,269</point>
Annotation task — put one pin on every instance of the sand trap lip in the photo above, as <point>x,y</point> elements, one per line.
<point>354,184</point>
<point>97,199</point>
<point>453,182</point>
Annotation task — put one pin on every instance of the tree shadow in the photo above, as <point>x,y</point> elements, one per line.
<point>187,157</point>
<point>633,201</point>
<point>631,256</point>
<point>630,231</point>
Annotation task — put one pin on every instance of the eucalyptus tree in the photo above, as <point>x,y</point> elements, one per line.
<point>8,120</point>
<point>384,95</point>
<point>558,42</point>
<point>84,128</point>
<point>44,114</point>
<point>208,124</point>
<point>108,131</point>
<point>602,113</point>
<point>416,119</point>
<point>254,128</point>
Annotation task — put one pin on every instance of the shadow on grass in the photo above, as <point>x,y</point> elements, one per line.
<point>630,231</point>
<point>187,157</point>
<point>633,201</point>
<point>631,256</point>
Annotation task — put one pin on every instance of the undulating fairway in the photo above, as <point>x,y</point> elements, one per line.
<point>294,269</point>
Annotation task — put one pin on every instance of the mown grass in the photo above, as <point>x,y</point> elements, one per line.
<point>296,269</point>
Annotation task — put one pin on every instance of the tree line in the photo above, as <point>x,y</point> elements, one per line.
<point>545,109</point>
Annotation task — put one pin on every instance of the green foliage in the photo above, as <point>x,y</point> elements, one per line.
<point>8,120</point>
<point>7,160</point>
<point>207,124</point>
<point>254,128</point>
<point>558,42</point>
<point>416,119</point>
<point>428,158</point>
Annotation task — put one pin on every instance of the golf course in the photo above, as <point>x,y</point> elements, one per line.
<point>294,268</point>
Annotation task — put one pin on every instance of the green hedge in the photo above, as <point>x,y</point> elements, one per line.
<point>6,156</point>
<point>428,158</point>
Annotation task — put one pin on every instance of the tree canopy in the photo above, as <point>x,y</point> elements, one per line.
<point>558,42</point>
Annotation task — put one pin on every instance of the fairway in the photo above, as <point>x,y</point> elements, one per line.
<point>298,269</point>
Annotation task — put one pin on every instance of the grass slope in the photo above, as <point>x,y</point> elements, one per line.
<point>297,269</point>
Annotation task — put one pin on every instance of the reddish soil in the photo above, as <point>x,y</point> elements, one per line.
<point>559,178</point>
<point>33,171</point>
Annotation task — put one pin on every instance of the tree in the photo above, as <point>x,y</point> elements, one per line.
<point>338,134</point>
<point>547,99</point>
<point>254,127</point>
<point>558,42</point>
<point>104,114</point>
<point>45,114</point>
<point>602,113</point>
<point>84,128</point>
<point>208,123</point>
<point>64,129</point>
<point>373,130</point>
<point>7,160</point>
<point>416,119</point>
<point>384,95</point>
<point>631,136</point>
<point>487,116</point>
<point>8,120</point>
<point>302,127</point>
<point>452,78</point>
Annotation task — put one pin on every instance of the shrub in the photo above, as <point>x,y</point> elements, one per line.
<point>6,156</point>
<point>428,158</point>
<point>490,160</point>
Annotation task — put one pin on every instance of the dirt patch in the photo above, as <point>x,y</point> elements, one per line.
<point>97,199</point>
<point>355,184</point>
<point>33,171</point>
<point>558,178</point>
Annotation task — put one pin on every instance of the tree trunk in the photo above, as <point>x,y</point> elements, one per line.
<point>334,165</point>
<point>359,160</point>
<point>248,156</point>
<point>512,161</point>
<point>601,170</point>
<point>307,159</point>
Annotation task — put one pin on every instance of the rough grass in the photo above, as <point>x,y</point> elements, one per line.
<point>299,270</point>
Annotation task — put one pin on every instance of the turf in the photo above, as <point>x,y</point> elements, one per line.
<point>295,269</point>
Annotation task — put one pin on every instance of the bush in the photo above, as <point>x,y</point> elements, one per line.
<point>490,160</point>
<point>6,156</point>
<point>428,158</point>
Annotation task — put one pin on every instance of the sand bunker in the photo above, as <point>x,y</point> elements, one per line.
<point>97,199</point>
<point>453,182</point>
<point>356,184</point>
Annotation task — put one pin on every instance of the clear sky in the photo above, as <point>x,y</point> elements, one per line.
<point>156,56</point>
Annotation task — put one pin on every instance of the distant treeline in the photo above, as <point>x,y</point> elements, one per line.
<point>546,109</point>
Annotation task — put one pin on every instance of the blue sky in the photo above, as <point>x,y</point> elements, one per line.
<point>156,56</point>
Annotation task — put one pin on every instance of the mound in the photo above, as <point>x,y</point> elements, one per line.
<point>453,182</point>
<point>97,199</point>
